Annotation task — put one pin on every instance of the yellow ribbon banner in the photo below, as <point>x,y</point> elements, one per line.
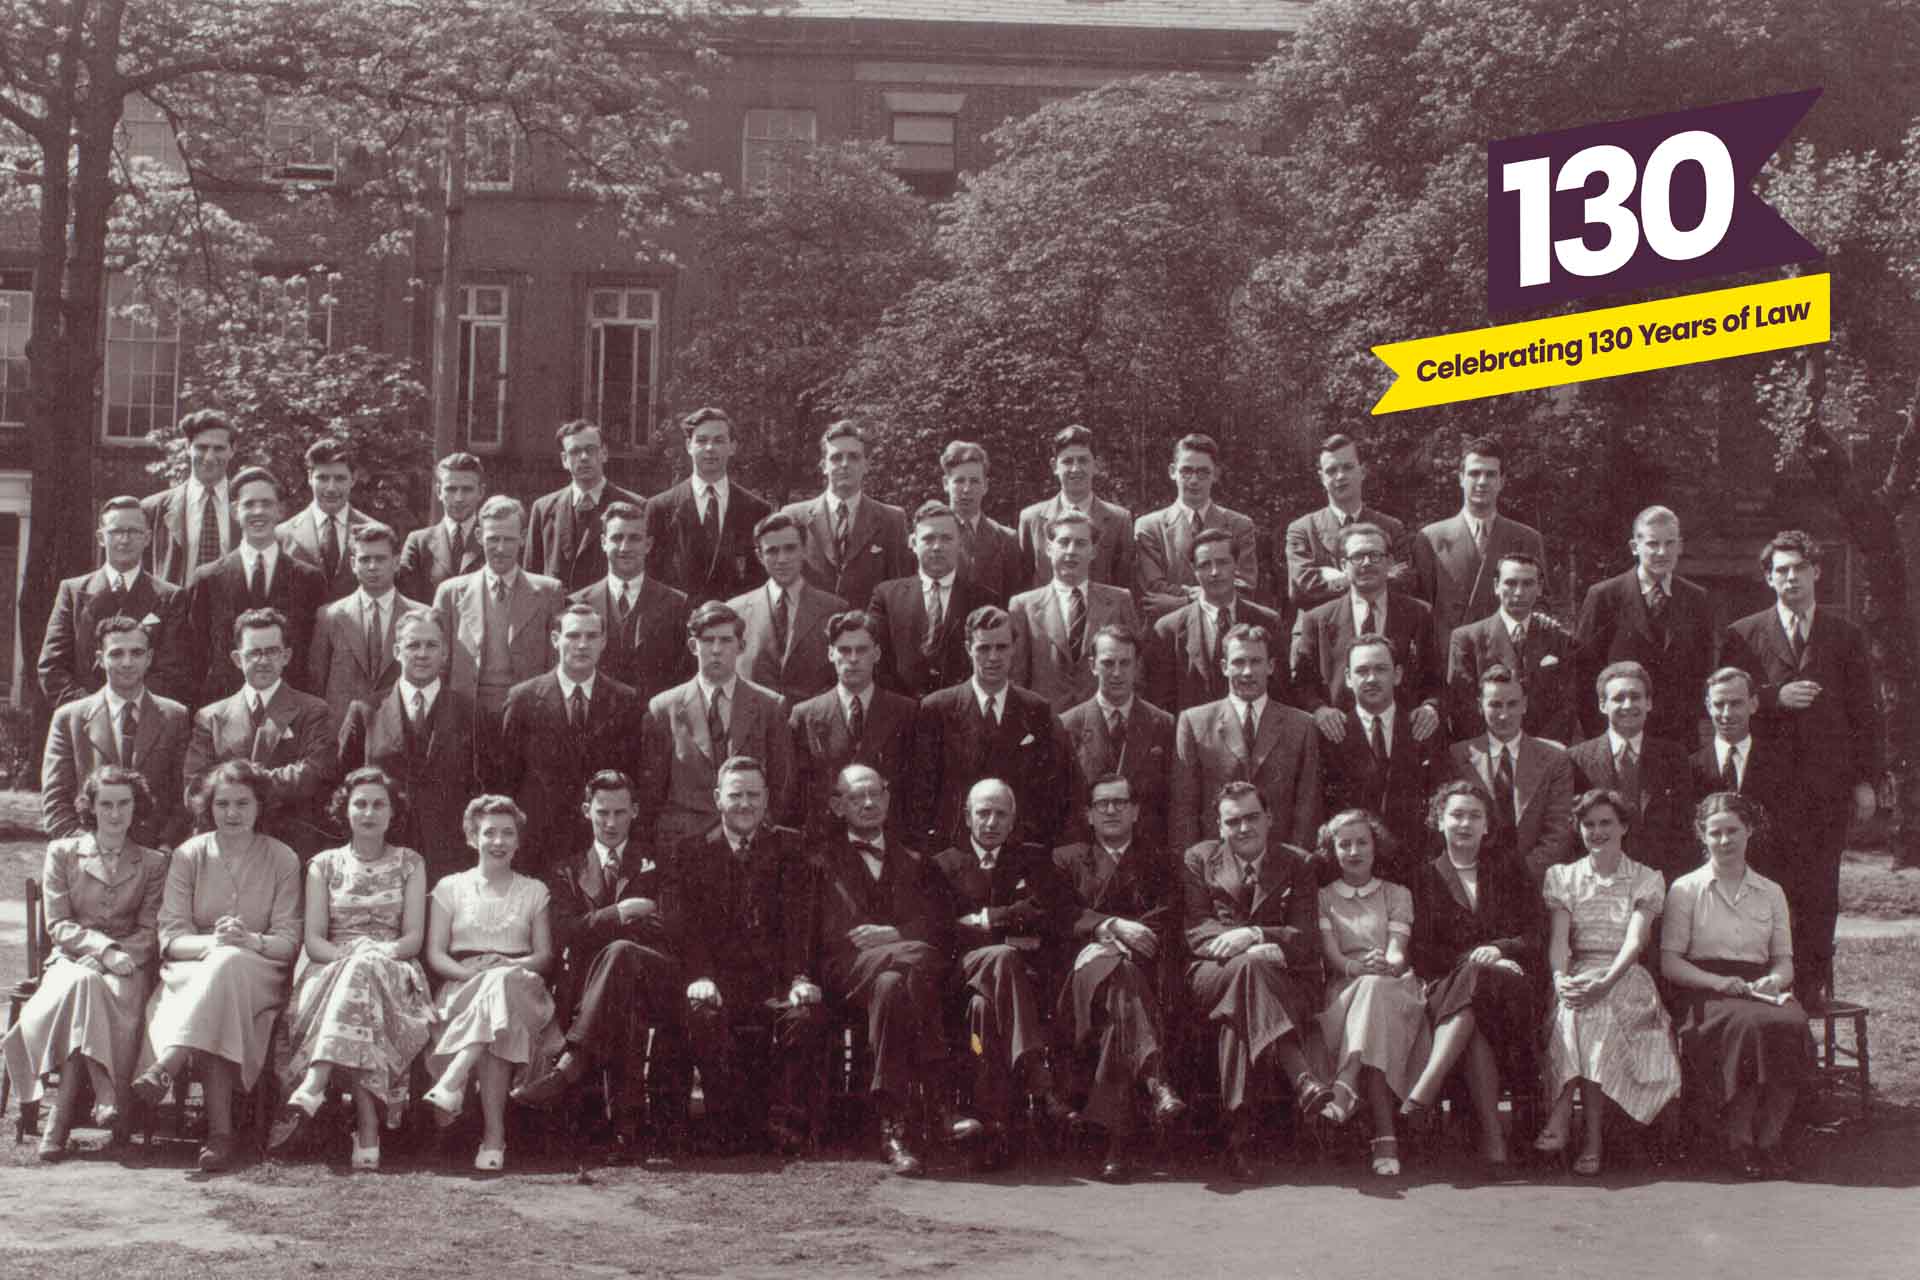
<point>1591,345</point>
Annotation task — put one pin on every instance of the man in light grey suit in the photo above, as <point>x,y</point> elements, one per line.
<point>322,534</point>
<point>351,658</point>
<point>785,618</point>
<point>851,543</point>
<point>194,523</point>
<point>1075,465</point>
<point>497,619</point>
<point>1309,550</point>
<point>1530,779</point>
<point>1053,625</point>
<point>1162,540</point>
<point>1455,561</point>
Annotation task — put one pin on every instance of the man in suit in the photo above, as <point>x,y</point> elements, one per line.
<point>989,727</point>
<point>702,528</point>
<point>852,543</point>
<point>1651,773</point>
<point>1310,548</point>
<point>1248,909</point>
<point>989,551</point>
<point>1051,624</point>
<point>855,722</point>
<point>692,728</point>
<point>619,979</point>
<point>1163,568</point>
<point>1535,647</point>
<point>68,655</point>
<point>1652,616</point>
<point>450,546</point>
<point>1738,760</point>
<point>1246,736</point>
<point>1188,664</point>
<point>1455,560</point>
<point>1814,679</point>
<point>1321,636</point>
<point>1116,731</point>
<point>352,658</point>
<point>785,617</point>
<point>1378,763</point>
<point>559,729</point>
<point>424,733</point>
<point>1530,779</point>
<point>122,723</point>
<point>194,523</point>
<point>322,535</point>
<point>646,619</point>
<point>1010,918</point>
<point>563,533</point>
<point>288,733</point>
<point>258,574</point>
<point>1075,466</point>
<point>922,618</point>
<point>1124,904</point>
<point>498,619</point>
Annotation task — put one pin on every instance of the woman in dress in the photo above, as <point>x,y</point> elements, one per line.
<point>1476,943</point>
<point>488,939</point>
<point>1375,1022</point>
<point>229,928</point>
<point>1727,946</point>
<point>1608,1032</point>
<point>360,1005</point>
<point>102,903</point>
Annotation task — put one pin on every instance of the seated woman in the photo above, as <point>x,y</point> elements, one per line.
<point>1608,1032</point>
<point>229,927</point>
<point>489,941</point>
<point>360,1005</point>
<point>1476,941</point>
<point>1728,947</point>
<point>102,899</point>
<point>1375,1022</point>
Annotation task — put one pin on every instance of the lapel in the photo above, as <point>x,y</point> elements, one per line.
<point>1048,620</point>
<point>1482,760</point>
<point>473,616</point>
<point>693,715</point>
<point>1226,727</point>
<point>1098,875</point>
<point>1326,533</point>
<point>520,607</point>
<point>1199,660</point>
<point>563,532</point>
<point>148,733</point>
<point>304,536</point>
<point>390,719</point>
<point>1526,771</point>
<point>1174,537</point>
<point>278,725</point>
<point>819,531</point>
<point>1634,607</point>
<point>859,530</point>
<point>1269,881</point>
<point>1451,878</point>
<point>1267,734</point>
<point>177,524</point>
<point>100,728</point>
<point>1500,643</point>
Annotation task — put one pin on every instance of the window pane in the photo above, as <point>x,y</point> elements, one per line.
<point>923,159</point>
<point>923,129</point>
<point>603,304</point>
<point>142,365</point>
<point>16,323</point>
<point>621,359</point>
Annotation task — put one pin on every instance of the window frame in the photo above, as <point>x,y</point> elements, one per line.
<point>141,117</point>
<point>757,149</point>
<point>472,322</point>
<point>640,419</point>
<point>171,411</point>
<point>486,133</point>
<point>300,172</point>
<point>17,318</point>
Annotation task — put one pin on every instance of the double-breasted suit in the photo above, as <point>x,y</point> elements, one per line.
<point>564,543</point>
<point>1184,671</point>
<point>69,656</point>
<point>649,650</point>
<point>876,548</point>
<point>1661,834</point>
<point>1163,553</point>
<point>1112,550</point>
<point>954,747</point>
<point>82,737</point>
<point>802,668</point>
<point>532,602</point>
<point>1451,574</point>
<point>911,661</point>
<point>216,595</point>
<point>823,745</point>
<point>1677,650</point>
<point>1210,750</point>
<point>436,763</point>
<point>1312,542</point>
<point>170,540</point>
<point>679,760</point>
<point>545,761</point>
<point>1550,675</point>
<point>683,556</point>
<point>1540,836</point>
<point>1143,755</point>
<point>295,742</point>
<point>300,537</point>
<point>1322,634</point>
<point>343,665</point>
<point>1043,659</point>
<point>430,557</point>
<point>1395,790</point>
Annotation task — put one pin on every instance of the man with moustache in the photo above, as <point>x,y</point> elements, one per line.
<point>563,531</point>
<point>1187,667</point>
<point>450,546</point>
<point>119,588</point>
<point>646,619</point>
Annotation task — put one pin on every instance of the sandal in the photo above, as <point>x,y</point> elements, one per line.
<point>447,1105</point>
<point>1587,1164</point>
<point>294,1114</point>
<point>1334,1109</point>
<point>365,1159</point>
<point>1386,1157</point>
<point>490,1159</point>
<point>1309,1094</point>
<point>1550,1142</point>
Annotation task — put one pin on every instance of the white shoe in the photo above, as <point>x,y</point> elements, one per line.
<point>446,1104</point>
<point>490,1159</point>
<point>307,1102</point>
<point>365,1158</point>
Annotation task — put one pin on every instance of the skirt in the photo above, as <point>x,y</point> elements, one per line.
<point>1380,1022</point>
<point>366,1012</point>
<point>1503,1011</point>
<point>508,1009</point>
<point>1624,1044</point>
<point>1732,1042</point>
<point>222,1004</point>
<point>76,1010</point>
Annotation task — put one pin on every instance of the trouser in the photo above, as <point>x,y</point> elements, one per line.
<point>1003,1024</point>
<point>1116,1026</point>
<point>629,990</point>
<point>758,1061</point>
<point>898,985</point>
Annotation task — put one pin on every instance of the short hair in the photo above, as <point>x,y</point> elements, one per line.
<point>1119,633</point>
<point>374,531</point>
<point>776,523</point>
<point>1383,841</point>
<point>1502,674</point>
<point>1072,437</point>
<point>1749,811</point>
<point>620,509</point>
<point>203,420</point>
<point>1248,633</point>
<point>460,462</point>
<point>1588,801</point>
<point>368,775</point>
<point>607,780</point>
<point>236,772</point>
<point>1484,447</point>
<point>574,610</point>
<point>111,775</point>
<point>959,453</point>
<point>844,429</point>
<point>1198,442</point>
<point>1446,791</point>
<point>986,618</point>
<point>500,506</point>
<point>255,475</point>
<point>487,805</point>
<point>1071,516</point>
<point>740,764</point>
<point>1335,443</point>
<point>1727,675</point>
<point>1013,799</point>
<point>573,427</point>
<point>1108,779</point>
<point>423,616</point>
<point>1375,640</point>
<point>715,614</point>
<point>1517,557</point>
<point>1795,540</point>
<point>1625,669</point>
<point>840,777</point>
<point>125,502</point>
<point>114,625</point>
<point>260,620</point>
<point>852,620</point>
<point>933,509</point>
<point>324,453</point>
<point>1207,537</point>
<point>1363,529</point>
<point>1655,515</point>
<point>1234,790</point>
<point>692,422</point>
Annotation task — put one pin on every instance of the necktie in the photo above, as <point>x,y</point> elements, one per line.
<point>717,723</point>
<point>256,711</point>
<point>577,708</point>
<point>1222,625</point>
<point>1503,788</point>
<point>936,619</point>
<point>1377,739</point>
<point>1657,612</point>
<point>584,525</point>
<point>1730,771</point>
<point>1366,618</point>
<point>840,533</point>
<point>1249,727</point>
<point>622,607</point>
<point>1077,622</point>
<point>1345,519</point>
<point>1193,527</point>
<point>375,634</point>
<point>856,722</point>
<point>1480,538</point>
<point>499,590</point>
<point>419,708</point>
<point>1629,768</point>
<point>257,580</point>
<point>1796,639</point>
<point>780,626</point>
<point>1520,645</point>
<point>209,548</point>
<point>993,710</point>
<point>710,523</point>
<point>966,535</point>
<point>330,547</point>
<point>1117,733</point>
<point>129,725</point>
<point>119,591</point>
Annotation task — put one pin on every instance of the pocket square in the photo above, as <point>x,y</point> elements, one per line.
<point>1550,661</point>
<point>1027,741</point>
<point>151,620</point>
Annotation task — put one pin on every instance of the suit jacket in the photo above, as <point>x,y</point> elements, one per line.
<point>741,925</point>
<point>562,546</point>
<point>899,610</point>
<point>876,547</point>
<point>337,666</point>
<point>954,747</point>
<point>82,737</point>
<point>678,759</point>
<point>804,669</point>
<point>1163,564</point>
<point>1312,542</point>
<point>1510,915</point>
<point>1395,791</point>
<point>1024,897</point>
<point>296,744</point>
<point>1210,750</point>
<point>585,918</point>
<point>680,555</point>
<point>650,653</point>
<point>1112,552</point>
<point>1215,900</point>
<point>1319,661</point>
<point>1614,626</point>
<point>461,604</point>
<point>544,762</point>
<point>1661,835</point>
<point>1182,671</point>
<point>167,548</point>
<point>1550,675</point>
<point>69,658</point>
<point>1146,762</point>
<point>1042,660</point>
<point>908,895</point>
<point>993,558</point>
<point>1144,887</point>
<point>1769,781</point>
<point>1542,836</point>
<point>437,766</point>
<point>1836,741</point>
<point>1452,576</point>
<point>822,748</point>
<point>300,538</point>
<point>429,558</point>
<point>214,597</point>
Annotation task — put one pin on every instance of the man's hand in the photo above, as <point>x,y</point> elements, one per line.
<point>632,909</point>
<point>1333,724</point>
<point>975,920</point>
<point>1425,721</point>
<point>1798,695</point>
<point>1484,955</point>
<point>803,993</point>
<point>1332,579</point>
<point>1227,945</point>
<point>872,935</point>
<point>702,991</point>
<point>1135,937</point>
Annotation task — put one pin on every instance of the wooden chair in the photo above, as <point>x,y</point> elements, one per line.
<point>1844,1066</point>
<point>39,945</point>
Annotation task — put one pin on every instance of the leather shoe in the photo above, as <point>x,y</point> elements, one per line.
<point>1117,1169</point>
<point>1238,1163</point>
<point>996,1154</point>
<point>1746,1162</point>
<point>544,1089</point>
<point>152,1086</point>
<point>1167,1106</point>
<point>899,1156</point>
<point>954,1126</point>
<point>217,1155</point>
<point>53,1143</point>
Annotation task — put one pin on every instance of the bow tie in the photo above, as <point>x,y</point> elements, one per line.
<point>871,848</point>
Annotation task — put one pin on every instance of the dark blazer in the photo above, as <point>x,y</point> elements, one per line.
<point>1661,836</point>
<point>680,555</point>
<point>438,767</point>
<point>1144,887</point>
<point>1024,896</point>
<point>876,547</point>
<point>953,748</point>
<point>1215,900</point>
<point>821,749</point>
<point>1163,553</point>
<point>337,667</point>
<point>678,759</point>
<point>1614,626</point>
<point>166,514</point>
<point>429,558</point>
<point>1042,660</point>
<point>561,546</point>
<point>1210,750</point>
<point>650,653</point>
<point>1555,689</point>
<point>213,598</point>
<point>584,917</point>
<point>1769,781</point>
<point>300,538</point>
<point>544,762</point>
<point>1543,790</point>
<point>461,606</point>
<point>742,926</point>
<point>1312,542</point>
<point>1836,741</point>
<point>1396,792</point>
<point>804,668</point>
<point>1450,574</point>
<point>1181,671</point>
<point>1112,552</point>
<point>82,737</point>
<point>1511,915</point>
<point>909,895</point>
<point>1146,762</point>
<point>899,610</point>
<point>993,558</point>
<point>296,745</point>
<point>69,658</point>
<point>1319,661</point>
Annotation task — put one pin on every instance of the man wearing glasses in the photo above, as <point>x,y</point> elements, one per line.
<point>69,665</point>
<point>1367,607</point>
<point>1163,539</point>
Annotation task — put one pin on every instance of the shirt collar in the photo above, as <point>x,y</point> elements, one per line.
<point>198,492</point>
<point>701,488</point>
<point>987,860</point>
<point>428,691</point>
<point>1509,623</point>
<point>321,517</point>
<point>1721,747</point>
<point>609,858</point>
<point>1368,717</point>
<point>1188,513</point>
<point>980,695</point>
<point>848,696</point>
<point>1366,890</point>
<point>1107,708</point>
<point>1379,603</point>
<point>567,686</point>
<point>511,578</point>
<point>737,843</point>
<point>1785,613</point>
<point>1240,706</point>
<point>1359,513</point>
<point>593,495</point>
<point>834,503</point>
<point>264,697</point>
<point>631,585</point>
<point>1616,743</point>
<point>707,689</point>
<point>775,591</point>
<point>248,553</point>
<point>114,701</point>
<point>455,528</point>
<point>1494,746</point>
<point>127,576</point>
<point>1116,854</point>
<point>1065,593</point>
<point>385,602</point>
<point>1475,524</point>
<point>946,583</point>
<point>1647,581</point>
